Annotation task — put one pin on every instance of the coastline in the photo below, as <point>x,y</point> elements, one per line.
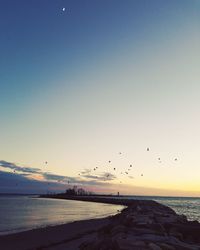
<point>106,199</point>
<point>144,224</point>
<point>51,237</point>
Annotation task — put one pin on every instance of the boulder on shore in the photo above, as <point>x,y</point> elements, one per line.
<point>147,225</point>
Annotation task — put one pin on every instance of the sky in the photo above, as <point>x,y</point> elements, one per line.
<point>85,91</point>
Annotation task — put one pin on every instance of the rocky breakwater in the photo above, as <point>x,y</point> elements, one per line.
<point>146,225</point>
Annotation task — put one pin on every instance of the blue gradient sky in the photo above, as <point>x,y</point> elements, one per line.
<point>103,77</point>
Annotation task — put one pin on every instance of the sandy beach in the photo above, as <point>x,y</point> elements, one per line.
<point>69,235</point>
<point>142,225</point>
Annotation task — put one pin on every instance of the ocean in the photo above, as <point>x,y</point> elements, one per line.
<point>21,213</point>
<point>189,206</point>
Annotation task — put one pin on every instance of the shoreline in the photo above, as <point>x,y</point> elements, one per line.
<point>87,218</point>
<point>143,224</point>
<point>112,200</point>
<point>45,238</point>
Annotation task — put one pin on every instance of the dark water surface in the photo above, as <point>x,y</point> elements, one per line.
<point>20,213</point>
<point>188,206</point>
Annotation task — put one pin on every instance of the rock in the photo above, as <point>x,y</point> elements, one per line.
<point>118,229</point>
<point>167,219</point>
<point>142,220</point>
<point>159,228</point>
<point>153,246</point>
<point>139,243</point>
<point>194,222</point>
<point>147,225</point>
<point>165,246</point>
<point>138,208</point>
<point>144,230</point>
<point>173,232</point>
<point>182,218</point>
<point>100,245</point>
<point>130,244</point>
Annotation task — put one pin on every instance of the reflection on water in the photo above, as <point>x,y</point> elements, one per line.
<point>188,206</point>
<point>18,213</point>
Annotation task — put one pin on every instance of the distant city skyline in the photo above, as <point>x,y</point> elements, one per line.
<point>86,87</point>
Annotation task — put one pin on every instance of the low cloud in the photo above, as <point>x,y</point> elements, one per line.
<point>13,166</point>
<point>22,178</point>
<point>85,176</point>
<point>54,177</point>
<point>105,176</point>
<point>18,183</point>
<point>86,171</point>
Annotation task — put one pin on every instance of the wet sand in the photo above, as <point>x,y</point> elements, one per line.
<point>52,237</point>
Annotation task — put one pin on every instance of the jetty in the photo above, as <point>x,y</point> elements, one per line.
<point>141,225</point>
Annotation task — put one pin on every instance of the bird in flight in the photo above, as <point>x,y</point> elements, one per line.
<point>147,149</point>
<point>63,9</point>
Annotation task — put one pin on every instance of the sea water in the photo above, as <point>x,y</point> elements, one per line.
<point>189,206</point>
<point>181,205</point>
<point>21,213</point>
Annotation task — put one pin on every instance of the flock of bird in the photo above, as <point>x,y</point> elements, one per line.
<point>106,175</point>
<point>126,172</point>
